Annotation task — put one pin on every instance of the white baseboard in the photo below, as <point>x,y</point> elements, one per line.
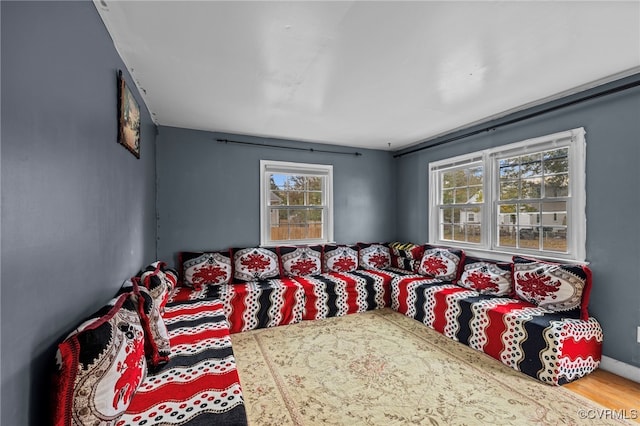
<point>620,368</point>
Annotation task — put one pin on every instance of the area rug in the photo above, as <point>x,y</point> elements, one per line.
<point>383,368</point>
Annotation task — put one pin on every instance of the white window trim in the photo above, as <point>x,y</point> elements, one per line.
<point>576,234</point>
<point>269,166</point>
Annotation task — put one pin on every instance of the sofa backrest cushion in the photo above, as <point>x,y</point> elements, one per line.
<point>406,255</point>
<point>553,286</point>
<point>340,258</point>
<point>100,365</point>
<point>206,268</point>
<point>374,256</point>
<point>160,280</point>
<point>156,336</point>
<point>300,261</point>
<point>486,276</point>
<point>255,264</point>
<point>441,263</point>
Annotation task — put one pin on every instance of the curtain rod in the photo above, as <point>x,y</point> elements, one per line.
<point>525,117</point>
<point>357,154</point>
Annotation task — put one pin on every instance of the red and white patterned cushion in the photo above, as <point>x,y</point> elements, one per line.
<point>101,364</point>
<point>212,268</point>
<point>301,261</point>
<point>553,286</point>
<point>406,255</point>
<point>340,258</point>
<point>160,280</point>
<point>441,263</point>
<point>374,256</point>
<point>486,277</point>
<point>255,264</point>
<point>156,339</point>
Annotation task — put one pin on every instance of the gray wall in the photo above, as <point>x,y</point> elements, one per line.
<point>209,198</point>
<point>78,210</point>
<point>612,125</point>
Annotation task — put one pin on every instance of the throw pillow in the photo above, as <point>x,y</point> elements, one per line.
<point>553,286</point>
<point>339,258</point>
<point>160,280</point>
<point>211,268</point>
<point>486,277</point>
<point>301,261</point>
<point>406,255</point>
<point>373,256</point>
<point>441,263</point>
<point>100,365</point>
<point>255,264</point>
<point>156,335</point>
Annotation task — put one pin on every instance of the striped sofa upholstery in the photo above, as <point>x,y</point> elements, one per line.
<point>548,346</point>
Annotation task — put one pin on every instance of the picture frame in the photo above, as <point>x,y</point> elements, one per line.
<point>128,118</point>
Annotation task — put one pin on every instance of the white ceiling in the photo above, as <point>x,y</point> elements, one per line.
<point>380,75</point>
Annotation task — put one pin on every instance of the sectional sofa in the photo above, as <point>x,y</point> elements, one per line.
<point>529,314</point>
<point>142,361</point>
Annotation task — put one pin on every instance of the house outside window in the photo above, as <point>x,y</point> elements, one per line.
<point>525,198</point>
<point>296,203</point>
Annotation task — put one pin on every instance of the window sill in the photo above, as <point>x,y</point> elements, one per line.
<point>506,256</point>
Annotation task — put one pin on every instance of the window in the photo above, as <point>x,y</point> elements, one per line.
<point>534,203</point>
<point>296,203</point>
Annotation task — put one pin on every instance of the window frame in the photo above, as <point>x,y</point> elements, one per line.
<point>573,139</point>
<point>268,167</point>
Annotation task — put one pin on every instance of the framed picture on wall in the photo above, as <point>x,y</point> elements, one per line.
<point>128,118</point>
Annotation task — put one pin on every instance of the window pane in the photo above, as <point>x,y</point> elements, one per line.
<point>460,178</point>
<point>475,194</point>
<point>279,224</point>
<point>461,196</point>
<point>508,190</point>
<point>315,198</point>
<point>531,188</point>
<point>448,180</point>
<point>447,215</point>
<point>456,215</point>
<point>277,181</point>
<point>447,196</point>
<point>297,216</point>
<point>458,233</point>
<point>529,237</point>
<point>475,176</point>
<point>295,198</point>
<point>529,214</point>
<point>556,161</point>
<point>507,236</point>
<point>298,231</point>
<point>315,223</point>
<point>473,233</point>
<point>472,215</point>
<point>555,239</point>
<point>447,232</point>
<point>314,183</point>
<point>297,182</point>
<point>554,213</point>
<point>277,198</point>
<point>509,168</point>
<point>556,186</point>
<point>531,165</point>
<point>507,214</point>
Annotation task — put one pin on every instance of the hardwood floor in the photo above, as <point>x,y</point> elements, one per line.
<point>611,391</point>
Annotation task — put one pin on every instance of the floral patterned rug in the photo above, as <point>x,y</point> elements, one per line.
<point>383,368</point>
